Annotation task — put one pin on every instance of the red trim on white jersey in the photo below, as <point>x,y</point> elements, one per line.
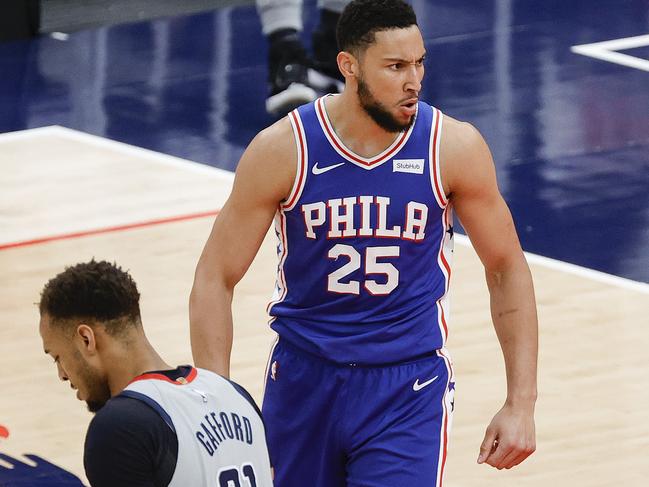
<point>291,201</point>
<point>435,172</point>
<point>446,420</point>
<point>445,267</point>
<point>178,382</point>
<point>351,156</point>
<point>302,152</point>
<point>280,228</point>
<point>442,201</point>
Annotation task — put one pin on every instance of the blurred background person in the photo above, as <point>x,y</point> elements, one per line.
<point>19,19</point>
<point>294,76</point>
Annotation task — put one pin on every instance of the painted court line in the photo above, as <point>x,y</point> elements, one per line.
<point>119,146</point>
<point>111,229</point>
<point>158,157</point>
<point>574,269</point>
<point>23,134</point>
<point>607,51</point>
<point>126,149</point>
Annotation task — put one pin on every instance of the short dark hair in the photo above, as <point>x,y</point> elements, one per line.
<point>361,19</point>
<point>94,291</point>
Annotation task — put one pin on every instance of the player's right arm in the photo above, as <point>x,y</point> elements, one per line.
<point>264,177</point>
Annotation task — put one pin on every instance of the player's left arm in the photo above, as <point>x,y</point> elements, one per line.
<point>470,181</point>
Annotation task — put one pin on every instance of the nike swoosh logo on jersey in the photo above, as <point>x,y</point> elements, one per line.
<point>319,170</point>
<point>417,386</point>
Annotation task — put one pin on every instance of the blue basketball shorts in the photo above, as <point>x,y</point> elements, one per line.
<point>333,425</point>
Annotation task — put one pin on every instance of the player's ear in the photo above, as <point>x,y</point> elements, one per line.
<point>348,64</point>
<point>86,339</point>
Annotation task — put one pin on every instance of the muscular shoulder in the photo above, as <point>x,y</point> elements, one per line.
<point>460,140</point>
<point>464,155</point>
<point>277,139</point>
<point>270,161</point>
<point>128,443</point>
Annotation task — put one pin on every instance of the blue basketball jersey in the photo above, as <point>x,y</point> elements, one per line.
<point>364,245</point>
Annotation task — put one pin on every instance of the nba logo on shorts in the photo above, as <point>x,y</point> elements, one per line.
<point>273,370</point>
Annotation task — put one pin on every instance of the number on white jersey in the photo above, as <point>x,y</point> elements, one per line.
<point>232,476</point>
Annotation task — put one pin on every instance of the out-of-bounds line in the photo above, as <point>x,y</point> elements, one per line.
<point>22,134</point>
<point>111,229</point>
<point>574,269</point>
<point>607,51</point>
<point>120,146</point>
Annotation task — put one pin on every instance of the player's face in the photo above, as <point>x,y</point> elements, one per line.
<point>91,385</point>
<point>389,81</point>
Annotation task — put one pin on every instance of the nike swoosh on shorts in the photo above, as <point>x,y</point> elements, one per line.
<point>417,386</point>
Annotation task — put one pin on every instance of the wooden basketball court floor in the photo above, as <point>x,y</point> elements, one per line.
<point>66,197</point>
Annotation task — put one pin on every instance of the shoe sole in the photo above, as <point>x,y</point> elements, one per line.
<point>292,97</point>
<point>323,82</point>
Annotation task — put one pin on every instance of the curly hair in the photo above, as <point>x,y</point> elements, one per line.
<point>96,291</point>
<point>361,19</point>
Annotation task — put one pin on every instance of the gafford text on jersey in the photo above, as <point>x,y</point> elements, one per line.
<point>365,245</point>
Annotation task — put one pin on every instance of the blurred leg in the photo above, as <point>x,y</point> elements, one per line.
<point>287,59</point>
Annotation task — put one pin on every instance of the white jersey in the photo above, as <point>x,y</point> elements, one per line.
<point>221,436</point>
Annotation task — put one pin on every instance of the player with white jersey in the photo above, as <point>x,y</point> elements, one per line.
<point>154,425</point>
<point>361,186</point>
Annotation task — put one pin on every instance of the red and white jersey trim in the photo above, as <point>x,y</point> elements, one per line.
<point>280,284</point>
<point>289,204</point>
<point>444,260</point>
<point>447,419</point>
<point>435,170</point>
<point>302,158</point>
<point>348,154</point>
<point>445,252</point>
<point>191,375</point>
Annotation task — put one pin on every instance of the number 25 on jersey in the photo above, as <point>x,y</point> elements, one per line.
<point>372,267</point>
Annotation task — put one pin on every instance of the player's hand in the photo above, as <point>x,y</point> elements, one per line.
<point>42,474</point>
<point>510,437</point>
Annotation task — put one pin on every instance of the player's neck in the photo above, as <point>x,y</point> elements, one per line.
<point>128,362</point>
<point>355,127</point>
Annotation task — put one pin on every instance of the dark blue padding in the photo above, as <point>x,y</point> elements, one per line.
<point>153,404</point>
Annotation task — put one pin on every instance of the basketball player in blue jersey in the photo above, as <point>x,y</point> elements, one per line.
<point>359,388</point>
<point>155,425</point>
